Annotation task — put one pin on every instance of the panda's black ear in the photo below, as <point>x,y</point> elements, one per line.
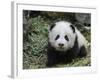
<point>52,26</point>
<point>73,28</point>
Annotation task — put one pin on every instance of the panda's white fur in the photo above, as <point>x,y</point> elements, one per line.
<point>62,48</point>
<point>63,28</point>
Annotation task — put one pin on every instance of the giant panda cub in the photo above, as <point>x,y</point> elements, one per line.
<point>65,43</point>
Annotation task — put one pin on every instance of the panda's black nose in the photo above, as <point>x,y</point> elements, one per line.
<point>61,44</point>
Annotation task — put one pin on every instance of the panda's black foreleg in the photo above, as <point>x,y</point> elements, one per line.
<point>51,59</point>
<point>51,56</point>
<point>83,52</point>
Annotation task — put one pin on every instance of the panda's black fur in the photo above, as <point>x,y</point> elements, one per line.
<point>56,57</point>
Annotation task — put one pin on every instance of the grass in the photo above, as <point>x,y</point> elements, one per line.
<point>35,46</point>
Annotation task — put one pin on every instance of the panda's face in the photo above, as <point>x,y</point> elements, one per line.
<point>62,36</point>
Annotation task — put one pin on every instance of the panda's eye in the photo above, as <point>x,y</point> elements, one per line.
<point>57,37</point>
<point>66,37</point>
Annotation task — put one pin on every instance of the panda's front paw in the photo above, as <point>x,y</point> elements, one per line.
<point>50,64</point>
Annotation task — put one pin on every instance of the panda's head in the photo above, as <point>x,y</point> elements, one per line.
<point>62,35</point>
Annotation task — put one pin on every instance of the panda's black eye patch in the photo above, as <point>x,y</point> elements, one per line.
<point>57,37</point>
<point>66,37</point>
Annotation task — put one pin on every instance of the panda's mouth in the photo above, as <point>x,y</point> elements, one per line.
<point>61,48</point>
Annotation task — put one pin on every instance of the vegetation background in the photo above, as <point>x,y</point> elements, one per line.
<point>35,36</point>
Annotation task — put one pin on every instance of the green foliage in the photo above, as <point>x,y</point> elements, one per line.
<point>36,41</point>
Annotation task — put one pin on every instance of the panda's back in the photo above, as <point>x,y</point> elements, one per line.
<point>81,39</point>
